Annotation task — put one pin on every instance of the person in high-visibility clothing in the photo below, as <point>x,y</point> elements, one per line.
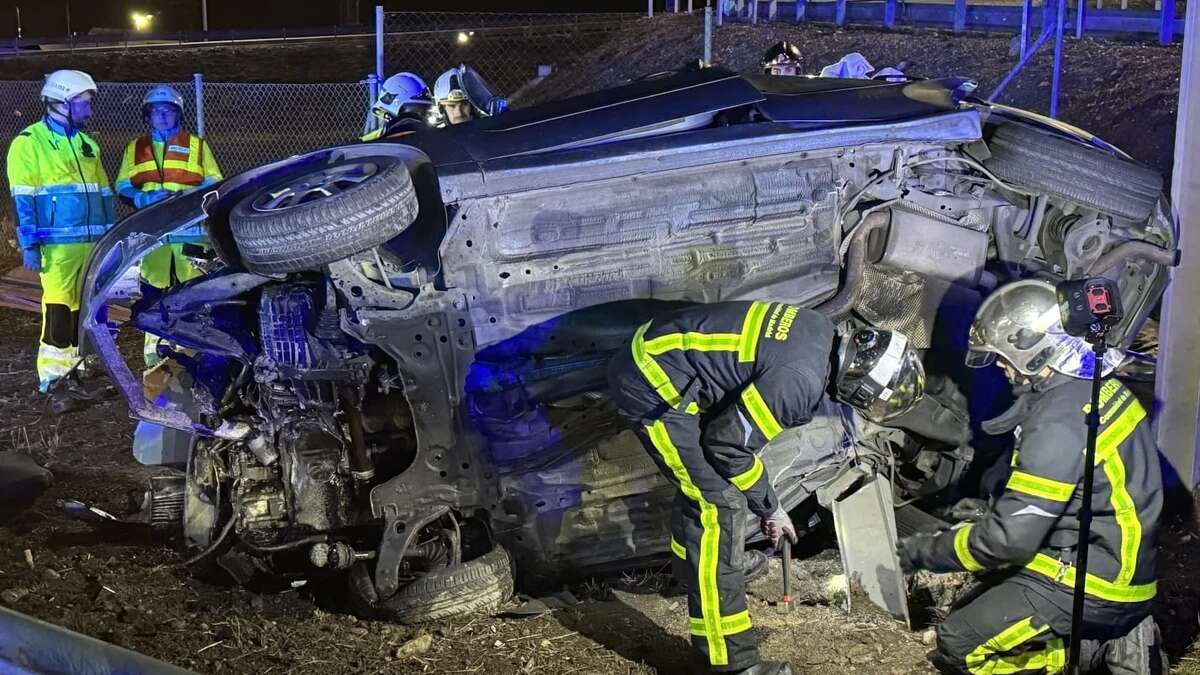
<point>63,204</point>
<point>1019,623</point>
<point>705,388</point>
<point>403,107</point>
<point>167,161</point>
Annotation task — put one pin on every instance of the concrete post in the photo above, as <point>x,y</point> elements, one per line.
<point>1178,385</point>
<point>198,84</point>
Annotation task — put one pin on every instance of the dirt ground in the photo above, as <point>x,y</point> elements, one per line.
<point>127,587</point>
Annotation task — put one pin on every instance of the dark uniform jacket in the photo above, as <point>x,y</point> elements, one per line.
<point>746,370</point>
<point>1034,523</point>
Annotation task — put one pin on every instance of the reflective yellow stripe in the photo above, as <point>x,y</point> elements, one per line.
<point>1096,587</point>
<point>760,413</point>
<point>1124,508</point>
<point>968,561</point>
<point>748,342</point>
<point>678,549</point>
<point>1045,488</point>
<point>745,481</point>
<point>654,373</point>
<point>701,342</point>
<point>710,541</point>
<point>1111,438</point>
<point>992,657</point>
<point>730,625</point>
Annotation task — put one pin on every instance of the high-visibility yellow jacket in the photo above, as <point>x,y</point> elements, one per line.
<point>60,191</point>
<point>180,163</point>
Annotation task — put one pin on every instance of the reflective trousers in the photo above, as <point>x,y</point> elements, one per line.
<point>707,539</point>
<point>1021,624</point>
<point>62,285</point>
<point>162,268</point>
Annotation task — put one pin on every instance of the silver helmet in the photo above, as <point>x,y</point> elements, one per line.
<point>879,374</point>
<point>1022,324</point>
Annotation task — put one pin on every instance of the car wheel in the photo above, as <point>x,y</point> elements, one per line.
<point>479,586</point>
<point>1082,174</point>
<point>326,213</point>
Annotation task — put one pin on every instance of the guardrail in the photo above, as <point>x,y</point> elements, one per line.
<point>28,645</point>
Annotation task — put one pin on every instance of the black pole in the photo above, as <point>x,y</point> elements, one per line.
<point>1085,509</point>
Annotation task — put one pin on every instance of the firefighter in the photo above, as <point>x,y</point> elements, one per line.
<point>783,59</point>
<point>167,161</point>
<point>404,106</point>
<point>1020,623</point>
<point>63,204</point>
<point>461,95</point>
<point>705,388</point>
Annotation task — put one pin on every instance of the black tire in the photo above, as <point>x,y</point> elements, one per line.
<point>275,239</point>
<point>479,586</point>
<point>1068,169</point>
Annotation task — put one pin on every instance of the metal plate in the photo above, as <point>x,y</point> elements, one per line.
<point>866,530</point>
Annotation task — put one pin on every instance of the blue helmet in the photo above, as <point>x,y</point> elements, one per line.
<point>398,91</point>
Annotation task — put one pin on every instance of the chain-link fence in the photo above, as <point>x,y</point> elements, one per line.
<point>246,124</point>
<point>507,49</point>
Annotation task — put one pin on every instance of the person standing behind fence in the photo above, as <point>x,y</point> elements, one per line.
<point>167,161</point>
<point>63,204</point>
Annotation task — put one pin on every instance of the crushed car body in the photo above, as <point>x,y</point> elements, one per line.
<point>394,365</point>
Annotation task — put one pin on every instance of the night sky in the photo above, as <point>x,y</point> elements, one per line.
<point>49,17</point>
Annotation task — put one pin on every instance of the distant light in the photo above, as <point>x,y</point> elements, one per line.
<point>463,38</point>
<point>141,21</point>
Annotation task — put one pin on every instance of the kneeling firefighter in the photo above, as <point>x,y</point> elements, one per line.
<point>1019,623</point>
<point>706,388</point>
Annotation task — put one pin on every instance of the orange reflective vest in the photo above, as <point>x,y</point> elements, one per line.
<point>182,165</point>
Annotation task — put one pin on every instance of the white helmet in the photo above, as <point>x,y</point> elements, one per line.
<point>64,85</point>
<point>449,86</point>
<point>163,94</point>
<point>1022,324</point>
<point>398,91</point>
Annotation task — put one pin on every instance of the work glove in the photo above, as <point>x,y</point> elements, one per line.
<point>31,258</point>
<point>143,199</point>
<point>778,525</point>
<point>914,551</point>
<point>970,509</point>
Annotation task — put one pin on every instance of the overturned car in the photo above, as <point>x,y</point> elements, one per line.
<point>393,367</point>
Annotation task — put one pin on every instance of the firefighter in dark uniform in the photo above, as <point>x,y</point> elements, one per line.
<point>1020,624</point>
<point>706,388</point>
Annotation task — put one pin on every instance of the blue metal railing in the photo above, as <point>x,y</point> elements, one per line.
<point>958,15</point>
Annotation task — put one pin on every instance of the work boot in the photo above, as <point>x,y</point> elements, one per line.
<point>767,668</point>
<point>1139,652</point>
<point>70,395</point>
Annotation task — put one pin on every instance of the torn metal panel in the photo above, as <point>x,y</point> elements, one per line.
<point>866,530</point>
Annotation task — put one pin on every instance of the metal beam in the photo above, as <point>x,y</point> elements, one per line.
<point>1056,76</point>
<point>33,646</point>
<point>1178,383</point>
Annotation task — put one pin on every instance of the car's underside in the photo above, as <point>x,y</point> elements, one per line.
<point>398,407</point>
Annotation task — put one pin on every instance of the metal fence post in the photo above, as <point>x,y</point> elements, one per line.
<point>379,42</point>
<point>960,15</point>
<point>650,8</point>
<point>1080,11</point>
<point>721,12</point>
<point>689,7</point>
<point>708,35</point>
<point>801,10</point>
<point>1058,50</point>
<point>772,11</point>
<point>1026,18</point>
<point>889,14</point>
<point>754,12</point>
<point>370,123</point>
<point>1166,30</point>
<point>198,82</point>
<point>840,12</point>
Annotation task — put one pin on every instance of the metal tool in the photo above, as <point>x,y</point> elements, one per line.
<point>787,574</point>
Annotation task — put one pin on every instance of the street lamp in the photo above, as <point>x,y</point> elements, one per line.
<point>141,22</point>
<point>463,38</point>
